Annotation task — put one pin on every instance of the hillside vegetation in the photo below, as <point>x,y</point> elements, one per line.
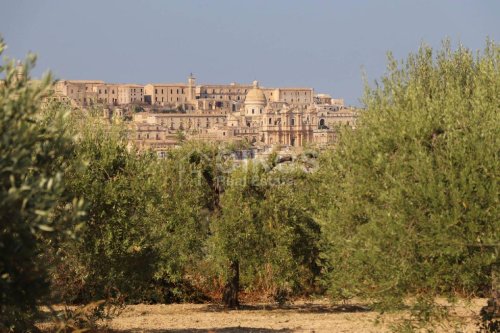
<point>405,207</point>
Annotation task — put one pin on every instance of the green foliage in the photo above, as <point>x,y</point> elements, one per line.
<point>116,252</point>
<point>409,199</point>
<point>34,208</point>
<point>406,204</point>
<point>180,136</point>
<point>266,226</point>
<point>190,185</point>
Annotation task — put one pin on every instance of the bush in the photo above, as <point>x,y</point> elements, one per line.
<point>265,235</point>
<point>115,253</point>
<point>34,207</point>
<point>410,199</point>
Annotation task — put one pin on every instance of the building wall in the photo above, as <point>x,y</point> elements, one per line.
<point>130,93</point>
<point>167,94</point>
<point>223,92</point>
<point>293,95</point>
<point>217,96</point>
<point>180,121</point>
<point>82,92</point>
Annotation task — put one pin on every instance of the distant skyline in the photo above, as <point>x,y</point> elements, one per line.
<point>321,44</point>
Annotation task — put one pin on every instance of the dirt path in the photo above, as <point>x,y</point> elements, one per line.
<point>300,317</point>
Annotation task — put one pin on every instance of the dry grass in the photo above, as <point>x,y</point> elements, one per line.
<point>299,317</point>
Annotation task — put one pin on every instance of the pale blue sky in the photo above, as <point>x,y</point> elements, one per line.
<point>317,43</point>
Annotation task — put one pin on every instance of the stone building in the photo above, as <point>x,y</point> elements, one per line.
<point>264,117</point>
<point>86,93</point>
<point>130,93</point>
<point>170,95</point>
<point>258,119</point>
<point>82,92</point>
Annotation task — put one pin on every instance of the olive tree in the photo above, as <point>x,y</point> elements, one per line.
<point>34,207</point>
<point>409,199</point>
<point>265,237</point>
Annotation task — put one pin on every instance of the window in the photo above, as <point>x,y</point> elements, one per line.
<point>162,91</point>
<point>253,111</point>
<point>270,121</point>
<point>293,122</point>
<point>156,91</point>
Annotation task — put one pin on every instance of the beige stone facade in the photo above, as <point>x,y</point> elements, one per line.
<point>87,93</point>
<point>167,94</point>
<point>130,93</point>
<point>264,117</point>
<point>181,121</point>
<point>260,120</point>
<point>80,91</point>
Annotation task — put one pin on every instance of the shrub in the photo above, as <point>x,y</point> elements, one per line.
<point>34,207</point>
<point>410,199</point>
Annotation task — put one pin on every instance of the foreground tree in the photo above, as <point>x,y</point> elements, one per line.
<point>410,199</point>
<point>116,252</point>
<point>34,145</point>
<point>265,237</point>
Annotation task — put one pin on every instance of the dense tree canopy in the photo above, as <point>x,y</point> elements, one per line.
<point>34,152</point>
<point>266,228</point>
<point>406,204</point>
<point>410,198</point>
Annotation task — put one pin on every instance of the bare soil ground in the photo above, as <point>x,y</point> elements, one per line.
<point>303,316</point>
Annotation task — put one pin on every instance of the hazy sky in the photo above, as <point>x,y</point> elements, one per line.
<point>319,44</point>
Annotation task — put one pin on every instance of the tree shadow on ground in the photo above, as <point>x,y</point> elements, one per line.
<point>300,308</point>
<point>237,329</point>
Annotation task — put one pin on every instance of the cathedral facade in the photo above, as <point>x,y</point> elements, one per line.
<point>258,120</point>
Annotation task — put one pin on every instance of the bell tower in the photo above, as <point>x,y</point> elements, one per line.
<point>191,87</point>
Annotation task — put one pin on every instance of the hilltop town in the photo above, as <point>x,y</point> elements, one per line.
<point>262,117</point>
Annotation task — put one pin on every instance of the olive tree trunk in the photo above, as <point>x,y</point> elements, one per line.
<point>232,287</point>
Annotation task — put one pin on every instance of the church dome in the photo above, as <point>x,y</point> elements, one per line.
<point>255,95</point>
